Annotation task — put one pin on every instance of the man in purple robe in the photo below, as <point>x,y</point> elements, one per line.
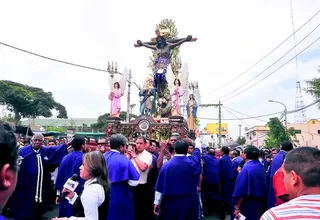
<point>34,178</point>
<point>276,163</point>
<point>70,165</point>
<point>226,178</point>
<point>211,195</point>
<point>251,187</point>
<point>177,184</point>
<point>9,164</point>
<point>123,175</point>
<point>236,160</point>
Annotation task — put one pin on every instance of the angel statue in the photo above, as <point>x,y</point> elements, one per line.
<point>147,97</point>
<point>176,94</point>
<point>164,50</point>
<point>178,90</point>
<point>117,90</point>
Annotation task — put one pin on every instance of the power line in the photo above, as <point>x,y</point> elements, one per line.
<point>259,61</point>
<point>243,114</point>
<point>53,59</point>
<point>260,116</point>
<point>236,119</point>
<point>64,62</point>
<point>236,116</point>
<point>273,71</point>
<point>303,108</point>
<point>269,65</point>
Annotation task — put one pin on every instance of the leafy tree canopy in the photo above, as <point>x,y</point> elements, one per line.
<point>277,133</point>
<point>102,120</point>
<point>314,88</point>
<point>241,140</point>
<point>27,101</point>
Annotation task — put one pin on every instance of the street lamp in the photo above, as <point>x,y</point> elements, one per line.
<point>112,69</point>
<point>131,107</point>
<point>285,112</point>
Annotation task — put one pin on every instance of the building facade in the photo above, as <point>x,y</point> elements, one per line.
<point>77,124</point>
<point>256,135</point>
<point>307,134</point>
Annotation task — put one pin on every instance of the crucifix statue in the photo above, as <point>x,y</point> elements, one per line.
<point>164,48</point>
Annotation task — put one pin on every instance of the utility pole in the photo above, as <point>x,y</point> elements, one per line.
<point>128,97</point>
<point>219,116</point>
<point>219,106</point>
<point>240,125</point>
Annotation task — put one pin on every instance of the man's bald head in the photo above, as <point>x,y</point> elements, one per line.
<point>211,151</point>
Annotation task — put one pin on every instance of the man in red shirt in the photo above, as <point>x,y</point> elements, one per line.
<point>280,190</point>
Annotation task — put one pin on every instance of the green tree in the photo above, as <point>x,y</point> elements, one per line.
<point>101,123</point>
<point>7,118</point>
<point>176,63</point>
<point>56,129</point>
<point>277,133</point>
<point>27,101</point>
<point>313,88</point>
<point>72,124</point>
<point>241,140</point>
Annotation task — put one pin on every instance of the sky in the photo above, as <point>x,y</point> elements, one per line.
<point>232,36</point>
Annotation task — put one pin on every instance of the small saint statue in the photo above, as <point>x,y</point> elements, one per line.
<point>192,107</point>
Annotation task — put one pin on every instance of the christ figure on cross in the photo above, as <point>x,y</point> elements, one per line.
<point>164,48</point>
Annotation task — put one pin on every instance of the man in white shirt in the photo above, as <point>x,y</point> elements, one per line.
<point>142,160</point>
<point>301,171</point>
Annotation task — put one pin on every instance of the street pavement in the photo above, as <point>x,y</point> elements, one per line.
<point>54,213</point>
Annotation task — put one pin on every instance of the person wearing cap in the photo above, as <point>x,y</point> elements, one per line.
<point>28,201</point>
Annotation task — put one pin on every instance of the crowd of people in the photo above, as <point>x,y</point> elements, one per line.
<point>174,179</point>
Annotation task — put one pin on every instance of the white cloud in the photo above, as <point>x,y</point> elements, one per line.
<point>232,36</point>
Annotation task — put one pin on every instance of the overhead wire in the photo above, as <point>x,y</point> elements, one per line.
<point>244,114</point>
<point>264,57</point>
<point>64,62</point>
<point>256,76</point>
<point>53,59</point>
<point>236,117</point>
<point>272,71</point>
<point>260,116</point>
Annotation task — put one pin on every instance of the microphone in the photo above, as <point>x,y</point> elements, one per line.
<point>71,185</point>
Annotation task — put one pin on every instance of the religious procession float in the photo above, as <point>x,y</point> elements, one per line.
<point>166,96</point>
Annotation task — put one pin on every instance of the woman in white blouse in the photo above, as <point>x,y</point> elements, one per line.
<point>93,203</point>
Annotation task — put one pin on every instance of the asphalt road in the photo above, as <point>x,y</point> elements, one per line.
<point>54,213</point>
